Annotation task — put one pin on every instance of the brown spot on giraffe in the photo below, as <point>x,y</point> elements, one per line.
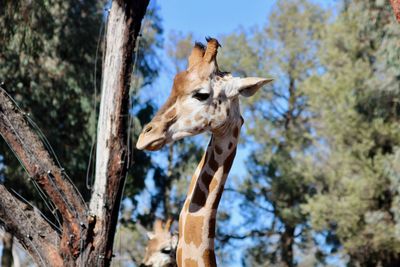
<point>211,229</point>
<point>229,160</point>
<point>179,256</point>
<point>193,229</point>
<point>227,166</point>
<point>218,150</point>
<point>171,114</point>
<point>198,117</point>
<point>206,179</point>
<point>209,258</point>
<point>193,180</point>
<point>236,132</point>
<point>199,198</point>
<point>190,263</point>
<point>230,145</point>
<point>212,163</point>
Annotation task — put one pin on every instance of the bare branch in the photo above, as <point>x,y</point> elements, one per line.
<point>253,203</point>
<point>36,160</point>
<point>254,233</point>
<point>32,231</point>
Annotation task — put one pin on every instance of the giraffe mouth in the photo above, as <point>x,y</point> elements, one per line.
<point>148,144</point>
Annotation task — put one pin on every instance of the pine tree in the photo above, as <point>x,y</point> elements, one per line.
<point>355,103</point>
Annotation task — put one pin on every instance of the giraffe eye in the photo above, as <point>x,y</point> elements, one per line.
<point>166,250</point>
<point>201,96</point>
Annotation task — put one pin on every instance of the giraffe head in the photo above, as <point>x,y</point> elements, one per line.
<point>161,247</point>
<point>202,99</point>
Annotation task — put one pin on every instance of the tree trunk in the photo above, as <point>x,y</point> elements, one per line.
<point>7,257</point>
<point>287,240</point>
<point>123,27</point>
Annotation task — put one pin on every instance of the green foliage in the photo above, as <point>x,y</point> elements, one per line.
<point>355,103</point>
<point>47,55</point>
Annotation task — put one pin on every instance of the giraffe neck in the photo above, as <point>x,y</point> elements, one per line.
<point>198,216</point>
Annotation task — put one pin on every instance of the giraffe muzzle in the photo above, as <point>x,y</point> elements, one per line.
<point>150,142</point>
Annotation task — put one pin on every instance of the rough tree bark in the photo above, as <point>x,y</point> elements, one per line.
<point>87,234</point>
<point>122,30</point>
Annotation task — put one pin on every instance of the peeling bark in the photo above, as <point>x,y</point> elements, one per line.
<point>40,167</point>
<point>30,228</point>
<point>123,28</point>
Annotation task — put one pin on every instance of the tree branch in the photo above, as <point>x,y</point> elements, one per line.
<point>35,159</point>
<point>32,231</point>
<point>253,233</point>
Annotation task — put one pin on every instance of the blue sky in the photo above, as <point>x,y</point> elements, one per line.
<point>213,18</point>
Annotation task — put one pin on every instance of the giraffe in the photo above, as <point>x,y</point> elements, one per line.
<point>161,247</point>
<point>202,99</point>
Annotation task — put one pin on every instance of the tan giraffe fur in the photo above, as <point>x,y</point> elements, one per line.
<point>161,247</point>
<point>202,99</point>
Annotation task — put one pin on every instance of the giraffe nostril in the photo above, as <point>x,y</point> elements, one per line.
<point>148,129</point>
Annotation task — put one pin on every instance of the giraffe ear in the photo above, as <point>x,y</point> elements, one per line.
<point>245,86</point>
<point>249,86</point>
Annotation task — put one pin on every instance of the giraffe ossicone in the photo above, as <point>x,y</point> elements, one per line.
<point>202,99</point>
